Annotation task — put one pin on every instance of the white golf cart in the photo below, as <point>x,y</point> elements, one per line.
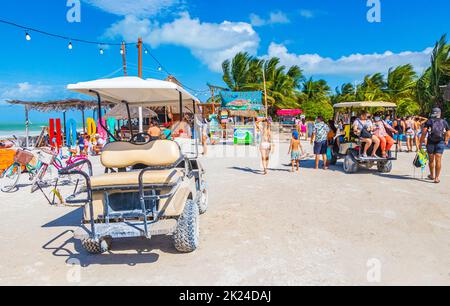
<point>153,188</point>
<point>348,146</point>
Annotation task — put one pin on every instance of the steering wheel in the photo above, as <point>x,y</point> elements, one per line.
<point>141,138</point>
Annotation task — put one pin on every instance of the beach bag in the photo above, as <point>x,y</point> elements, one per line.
<point>437,131</point>
<point>421,159</point>
<point>23,157</point>
<point>329,154</point>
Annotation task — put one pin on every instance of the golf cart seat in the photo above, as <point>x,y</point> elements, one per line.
<point>159,153</point>
<point>130,180</point>
<point>162,155</point>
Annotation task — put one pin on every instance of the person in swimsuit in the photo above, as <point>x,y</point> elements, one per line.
<point>296,150</point>
<point>265,146</point>
<point>410,133</point>
<point>154,131</point>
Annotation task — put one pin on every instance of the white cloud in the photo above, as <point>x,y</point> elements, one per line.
<point>354,65</point>
<point>277,17</point>
<point>142,8</point>
<point>212,43</point>
<point>25,91</point>
<point>307,13</point>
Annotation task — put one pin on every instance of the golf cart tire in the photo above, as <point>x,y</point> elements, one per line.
<point>186,236</point>
<point>384,167</point>
<point>95,247</point>
<point>350,164</point>
<point>203,200</point>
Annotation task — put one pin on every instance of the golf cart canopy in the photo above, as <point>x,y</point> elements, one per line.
<point>137,92</point>
<point>366,104</point>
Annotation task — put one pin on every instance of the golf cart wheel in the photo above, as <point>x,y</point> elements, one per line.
<point>95,247</point>
<point>385,167</point>
<point>186,237</point>
<point>350,164</point>
<point>203,201</point>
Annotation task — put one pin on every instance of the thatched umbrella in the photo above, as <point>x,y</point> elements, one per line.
<point>120,112</point>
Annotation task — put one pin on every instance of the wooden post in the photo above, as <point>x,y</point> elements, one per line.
<point>265,93</point>
<point>84,122</point>
<point>141,115</point>
<point>124,58</point>
<point>27,127</point>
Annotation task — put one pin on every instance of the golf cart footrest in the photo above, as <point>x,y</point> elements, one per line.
<point>74,201</point>
<point>127,230</point>
<point>131,214</point>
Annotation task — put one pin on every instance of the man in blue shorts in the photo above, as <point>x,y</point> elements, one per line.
<point>438,132</point>
<point>319,139</point>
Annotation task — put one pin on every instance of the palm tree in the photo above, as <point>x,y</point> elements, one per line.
<point>440,70</point>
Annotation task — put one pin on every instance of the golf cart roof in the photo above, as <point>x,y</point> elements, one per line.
<point>136,91</point>
<point>365,104</point>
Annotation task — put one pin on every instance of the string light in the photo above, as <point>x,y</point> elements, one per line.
<point>27,36</point>
<point>146,51</point>
<point>70,46</point>
<point>101,51</point>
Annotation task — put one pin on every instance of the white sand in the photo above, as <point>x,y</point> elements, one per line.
<point>313,228</point>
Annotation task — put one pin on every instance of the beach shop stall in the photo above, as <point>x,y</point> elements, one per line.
<point>243,108</point>
<point>288,116</point>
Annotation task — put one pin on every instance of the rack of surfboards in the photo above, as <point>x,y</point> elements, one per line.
<point>93,128</point>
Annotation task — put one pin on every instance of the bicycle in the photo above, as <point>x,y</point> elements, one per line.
<point>22,160</point>
<point>52,159</point>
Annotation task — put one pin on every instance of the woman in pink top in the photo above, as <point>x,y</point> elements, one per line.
<point>386,141</point>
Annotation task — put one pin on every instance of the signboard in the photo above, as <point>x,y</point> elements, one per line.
<point>244,135</point>
<point>215,129</point>
<point>250,100</point>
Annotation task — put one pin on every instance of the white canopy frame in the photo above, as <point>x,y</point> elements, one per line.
<point>138,92</point>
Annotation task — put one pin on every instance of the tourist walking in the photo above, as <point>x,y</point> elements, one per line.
<point>296,151</point>
<point>400,127</point>
<point>410,133</point>
<point>265,146</point>
<point>438,135</point>
<point>319,140</point>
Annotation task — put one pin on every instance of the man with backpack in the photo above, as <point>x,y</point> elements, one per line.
<point>438,132</point>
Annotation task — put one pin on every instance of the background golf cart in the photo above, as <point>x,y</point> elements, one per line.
<point>154,189</point>
<point>347,146</point>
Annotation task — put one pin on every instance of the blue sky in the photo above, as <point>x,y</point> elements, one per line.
<point>329,39</point>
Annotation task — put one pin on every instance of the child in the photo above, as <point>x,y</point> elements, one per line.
<point>294,149</point>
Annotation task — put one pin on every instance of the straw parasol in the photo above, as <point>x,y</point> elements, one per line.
<point>120,112</point>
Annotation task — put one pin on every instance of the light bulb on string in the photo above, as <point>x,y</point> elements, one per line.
<point>101,51</point>
<point>146,51</point>
<point>70,46</point>
<point>159,68</point>
<point>27,36</point>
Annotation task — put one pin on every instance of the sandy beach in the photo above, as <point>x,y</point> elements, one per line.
<point>312,228</point>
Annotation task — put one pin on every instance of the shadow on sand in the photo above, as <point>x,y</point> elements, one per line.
<point>143,250</point>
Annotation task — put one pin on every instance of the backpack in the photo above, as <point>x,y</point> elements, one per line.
<point>437,131</point>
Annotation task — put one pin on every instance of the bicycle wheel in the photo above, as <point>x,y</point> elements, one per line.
<point>38,178</point>
<point>10,178</point>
